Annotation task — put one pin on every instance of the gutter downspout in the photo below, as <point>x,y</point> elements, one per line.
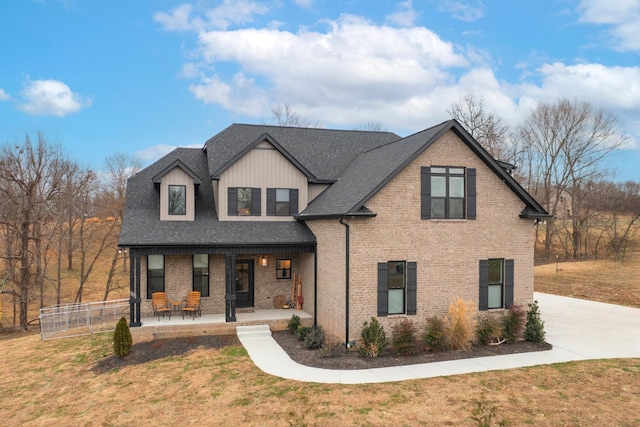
<point>315,285</point>
<point>346,304</point>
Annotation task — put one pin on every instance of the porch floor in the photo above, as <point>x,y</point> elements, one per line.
<point>215,324</point>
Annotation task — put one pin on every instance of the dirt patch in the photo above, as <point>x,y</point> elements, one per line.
<point>340,358</point>
<point>148,351</point>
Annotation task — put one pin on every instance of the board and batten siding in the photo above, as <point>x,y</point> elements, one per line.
<point>177,177</point>
<point>263,167</point>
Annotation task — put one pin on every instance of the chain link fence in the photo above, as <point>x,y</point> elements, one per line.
<point>70,320</point>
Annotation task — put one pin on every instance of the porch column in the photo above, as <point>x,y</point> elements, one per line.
<point>134,291</point>
<point>230,282</point>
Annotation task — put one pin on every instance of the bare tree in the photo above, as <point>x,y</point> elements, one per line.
<point>285,116</point>
<point>372,126</point>
<point>565,143</point>
<point>30,181</point>
<point>118,168</point>
<point>484,126</point>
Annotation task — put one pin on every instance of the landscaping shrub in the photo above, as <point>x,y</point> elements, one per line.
<point>301,332</point>
<point>314,338</point>
<point>513,324</point>
<point>122,341</point>
<point>403,338</point>
<point>487,328</point>
<point>460,325</point>
<point>434,334</point>
<point>534,329</point>
<point>293,324</point>
<point>374,339</point>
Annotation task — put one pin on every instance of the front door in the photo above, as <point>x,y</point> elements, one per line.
<point>244,283</point>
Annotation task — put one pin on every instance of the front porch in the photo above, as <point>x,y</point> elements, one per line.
<point>215,324</point>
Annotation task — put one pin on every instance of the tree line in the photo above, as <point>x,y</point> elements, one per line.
<point>57,215</point>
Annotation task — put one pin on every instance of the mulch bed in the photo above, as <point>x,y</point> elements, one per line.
<point>340,358</point>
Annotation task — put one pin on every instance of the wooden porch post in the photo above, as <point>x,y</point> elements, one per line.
<point>230,282</point>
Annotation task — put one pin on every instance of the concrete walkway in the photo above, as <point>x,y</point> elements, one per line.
<point>577,329</point>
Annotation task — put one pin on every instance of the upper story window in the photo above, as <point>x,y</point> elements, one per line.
<point>177,200</point>
<point>282,201</point>
<point>243,201</point>
<point>448,193</point>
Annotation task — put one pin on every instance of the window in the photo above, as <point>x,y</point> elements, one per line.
<point>177,200</point>
<point>243,201</point>
<point>496,283</point>
<point>201,274</point>
<point>155,274</point>
<point>283,269</point>
<point>397,284</point>
<point>282,201</point>
<point>448,193</point>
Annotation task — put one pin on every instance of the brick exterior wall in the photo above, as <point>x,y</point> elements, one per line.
<point>447,252</point>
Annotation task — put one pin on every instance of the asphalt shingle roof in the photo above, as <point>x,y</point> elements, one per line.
<point>324,153</point>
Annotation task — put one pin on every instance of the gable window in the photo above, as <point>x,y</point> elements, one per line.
<point>496,283</point>
<point>448,193</point>
<point>155,274</point>
<point>243,201</point>
<point>201,274</point>
<point>283,269</point>
<point>397,285</point>
<point>177,200</point>
<point>282,201</point>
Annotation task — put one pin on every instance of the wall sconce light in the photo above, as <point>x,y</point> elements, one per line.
<point>263,261</point>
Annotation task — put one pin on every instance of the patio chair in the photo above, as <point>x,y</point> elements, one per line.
<point>192,305</point>
<point>160,305</point>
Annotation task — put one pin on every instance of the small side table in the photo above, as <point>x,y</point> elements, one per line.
<point>176,305</point>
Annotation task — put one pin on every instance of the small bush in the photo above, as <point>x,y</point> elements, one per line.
<point>293,324</point>
<point>301,332</point>
<point>461,324</point>
<point>534,329</point>
<point>513,324</point>
<point>374,339</point>
<point>329,346</point>
<point>403,338</point>
<point>434,334</point>
<point>314,338</point>
<point>488,328</point>
<point>122,341</point>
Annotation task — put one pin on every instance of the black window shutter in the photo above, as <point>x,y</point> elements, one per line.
<point>383,289</point>
<point>255,202</point>
<point>508,282</point>
<point>293,201</point>
<point>412,286</point>
<point>232,201</point>
<point>484,285</point>
<point>425,192</point>
<point>471,193</point>
<point>271,201</point>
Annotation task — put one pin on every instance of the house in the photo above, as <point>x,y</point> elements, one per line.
<point>372,223</point>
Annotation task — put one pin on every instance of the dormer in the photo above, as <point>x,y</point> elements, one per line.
<point>177,186</point>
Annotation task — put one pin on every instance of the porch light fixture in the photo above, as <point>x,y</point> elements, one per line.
<point>263,261</point>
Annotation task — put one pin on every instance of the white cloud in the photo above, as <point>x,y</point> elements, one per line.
<point>305,4</point>
<point>4,96</point>
<point>51,98</point>
<point>621,16</point>
<point>405,16</point>
<point>463,11</point>
<point>229,12</point>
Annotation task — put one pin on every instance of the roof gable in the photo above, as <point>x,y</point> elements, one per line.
<point>157,178</point>
<point>322,154</point>
<point>373,169</point>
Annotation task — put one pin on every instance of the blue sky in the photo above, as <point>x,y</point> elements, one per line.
<point>142,77</point>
